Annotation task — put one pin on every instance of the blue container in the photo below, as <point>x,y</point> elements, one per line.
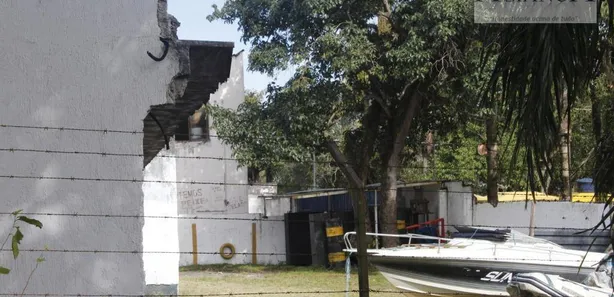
<point>585,185</point>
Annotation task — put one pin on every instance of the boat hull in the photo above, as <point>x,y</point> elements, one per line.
<point>449,276</point>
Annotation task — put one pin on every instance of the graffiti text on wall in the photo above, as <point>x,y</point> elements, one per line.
<point>191,198</point>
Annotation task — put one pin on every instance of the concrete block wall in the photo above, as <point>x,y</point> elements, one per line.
<point>235,229</point>
<point>547,215</point>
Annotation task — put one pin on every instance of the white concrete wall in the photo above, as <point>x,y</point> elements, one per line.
<point>269,206</point>
<point>213,233</point>
<point>161,234</point>
<point>459,204</point>
<point>79,64</point>
<point>437,205</point>
<point>547,214</point>
<point>228,190</point>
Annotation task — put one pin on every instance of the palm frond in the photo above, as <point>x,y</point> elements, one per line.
<point>537,65</point>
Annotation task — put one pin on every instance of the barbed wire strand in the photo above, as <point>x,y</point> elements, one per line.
<point>194,182</point>
<point>110,154</point>
<point>139,252</point>
<point>117,131</point>
<point>265,293</point>
<point>273,220</point>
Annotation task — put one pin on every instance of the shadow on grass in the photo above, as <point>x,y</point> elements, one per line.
<point>245,268</point>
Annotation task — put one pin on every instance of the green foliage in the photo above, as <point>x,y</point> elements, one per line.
<point>535,64</point>
<point>293,177</point>
<point>30,221</point>
<point>17,236</point>
<point>258,134</point>
<point>345,63</point>
<point>455,157</point>
<point>253,136</point>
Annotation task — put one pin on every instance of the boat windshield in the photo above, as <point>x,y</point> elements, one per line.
<point>500,235</point>
<point>517,237</point>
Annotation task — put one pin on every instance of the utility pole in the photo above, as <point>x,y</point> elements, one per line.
<point>363,264</point>
<point>357,193</point>
<point>532,218</point>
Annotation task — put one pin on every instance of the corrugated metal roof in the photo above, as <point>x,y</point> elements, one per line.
<point>371,187</point>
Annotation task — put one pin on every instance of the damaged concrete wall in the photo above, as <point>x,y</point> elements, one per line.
<point>225,194</point>
<point>160,238</point>
<point>226,191</point>
<point>80,64</point>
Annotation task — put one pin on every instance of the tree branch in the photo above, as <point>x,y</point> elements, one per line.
<point>387,8</point>
<point>402,95</point>
<point>343,164</point>
<point>381,102</point>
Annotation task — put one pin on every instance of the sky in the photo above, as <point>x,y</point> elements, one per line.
<point>192,14</point>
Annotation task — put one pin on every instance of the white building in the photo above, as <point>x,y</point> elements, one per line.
<point>84,65</point>
<point>227,210</point>
<point>201,156</point>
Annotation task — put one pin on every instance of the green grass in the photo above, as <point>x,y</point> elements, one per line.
<point>226,279</point>
<point>265,268</point>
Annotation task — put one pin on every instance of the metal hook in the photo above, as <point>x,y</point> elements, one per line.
<point>165,41</point>
<point>161,129</point>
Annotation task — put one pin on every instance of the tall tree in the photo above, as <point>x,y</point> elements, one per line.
<point>381,77</point>
<point>378,78</point>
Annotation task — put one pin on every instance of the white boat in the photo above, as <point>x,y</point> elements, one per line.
<point>444,266</point>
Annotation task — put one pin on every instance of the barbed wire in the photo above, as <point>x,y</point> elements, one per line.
<point>111,154</point>
<point>194,182</point>
<point>140,252</point>
<point>117,131</point>
<point>104,131</point>
<point>139,180</point>
<point>260,293</point>
<point>186,217</point>
<point>315,292</point>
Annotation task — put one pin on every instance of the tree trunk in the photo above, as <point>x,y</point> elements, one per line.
<point>546,184</point>
<point>269,175</point>
<point>390,150</point>
<point>595,115</point>
<point>428,150</point>
<point>565,152</point>
<point>596,121</point>
<point>253,175</point>
<point>388,209</point>
<point>493,172</point>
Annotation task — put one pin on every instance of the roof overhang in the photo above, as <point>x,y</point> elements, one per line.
<point>209,66</point>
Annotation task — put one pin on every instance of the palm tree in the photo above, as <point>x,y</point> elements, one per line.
<point>540,71</point>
